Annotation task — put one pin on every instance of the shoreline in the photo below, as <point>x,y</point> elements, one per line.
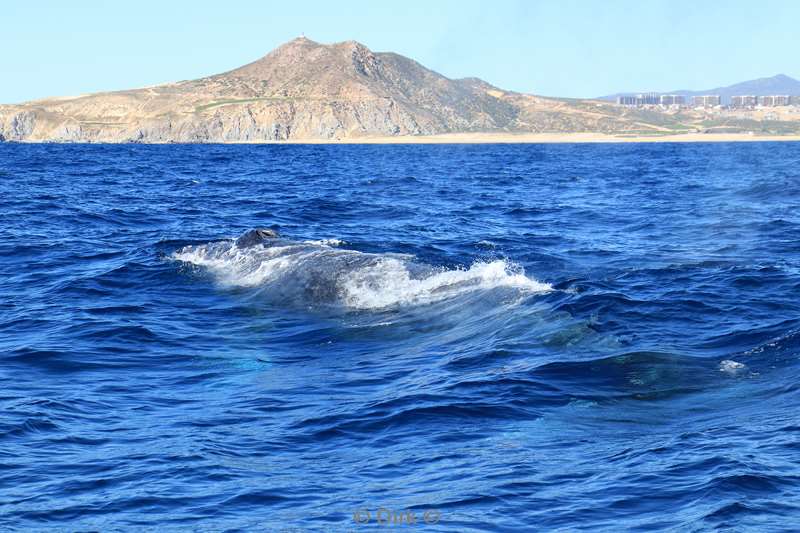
<point>489,138</point>
<point>549,138</point>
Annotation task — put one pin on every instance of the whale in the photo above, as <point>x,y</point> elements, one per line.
<point>255,237</point>
<point>305,274</point>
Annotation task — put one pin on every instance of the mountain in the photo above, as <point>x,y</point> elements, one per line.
<point>780,84</point>
<point>305,90</point>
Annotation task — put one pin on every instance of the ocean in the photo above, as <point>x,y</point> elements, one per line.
<point>574,337</point>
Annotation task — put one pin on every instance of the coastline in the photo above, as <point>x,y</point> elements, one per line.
<point>488,138</point>
<point>547,138</point>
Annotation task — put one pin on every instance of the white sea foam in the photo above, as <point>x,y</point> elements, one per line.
<point>318,273</point>
<point>733,368</point>
<point>389,282</point>
<point>326,242</point>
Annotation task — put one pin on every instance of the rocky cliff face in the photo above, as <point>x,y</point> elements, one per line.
<point>301,90</point>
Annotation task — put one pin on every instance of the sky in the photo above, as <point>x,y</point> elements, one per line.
<point>570,48</point>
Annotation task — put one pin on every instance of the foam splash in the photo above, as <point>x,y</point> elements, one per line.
<point>389,282</point>
<point>314,272</point>
<point>326,242</point>
<point>731,367</point>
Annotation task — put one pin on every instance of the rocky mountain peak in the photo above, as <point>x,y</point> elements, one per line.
<point>302,58</point>
<point>363,59</point>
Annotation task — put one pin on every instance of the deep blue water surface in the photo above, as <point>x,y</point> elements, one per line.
<point>483,338</point>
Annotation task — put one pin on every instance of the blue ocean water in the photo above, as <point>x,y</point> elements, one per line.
<point>469,338</point>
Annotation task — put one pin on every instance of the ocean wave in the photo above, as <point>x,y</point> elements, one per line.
<point>317,272</point>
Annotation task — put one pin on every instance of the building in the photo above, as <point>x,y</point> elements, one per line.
<point>707,100</point>
<point>648,99</point>
<point>672,99</point>
<point>776,100</point>
<point>744,101</point>
<point>639,100</point>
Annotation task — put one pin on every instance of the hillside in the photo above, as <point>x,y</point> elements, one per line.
<point>305,90</point>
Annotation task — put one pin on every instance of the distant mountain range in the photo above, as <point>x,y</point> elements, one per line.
<point>780,84</point>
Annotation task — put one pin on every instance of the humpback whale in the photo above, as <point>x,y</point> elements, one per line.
<point>255,236</point>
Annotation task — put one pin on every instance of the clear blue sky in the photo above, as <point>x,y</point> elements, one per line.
<point>560,47</point>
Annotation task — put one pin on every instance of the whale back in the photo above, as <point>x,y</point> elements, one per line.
<point>255,236</point>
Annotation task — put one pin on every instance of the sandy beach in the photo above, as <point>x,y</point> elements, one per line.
<point>534,138</point>
<point>513,138</point>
